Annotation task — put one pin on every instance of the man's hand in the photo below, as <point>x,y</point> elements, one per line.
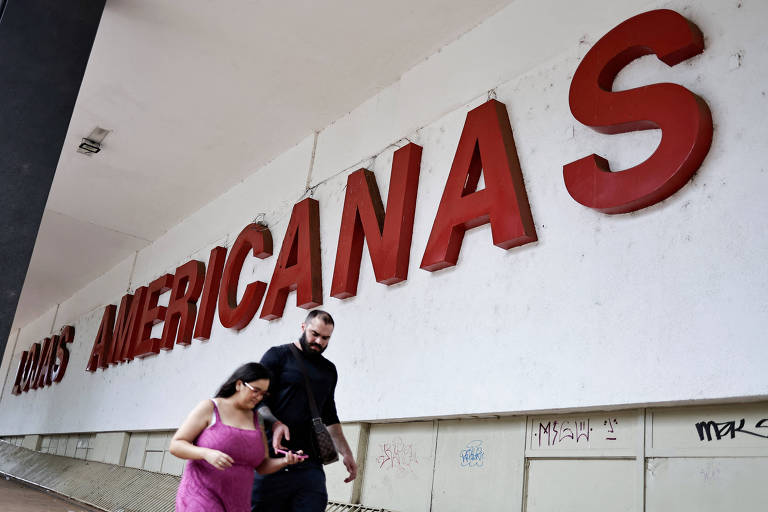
<point>351,465</point>
<point>337,434</point>
<point>279,431</point>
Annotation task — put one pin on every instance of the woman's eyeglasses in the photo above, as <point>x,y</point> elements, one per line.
<point>258,392</point>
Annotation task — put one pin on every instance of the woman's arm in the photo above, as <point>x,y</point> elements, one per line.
<point>182,443</point>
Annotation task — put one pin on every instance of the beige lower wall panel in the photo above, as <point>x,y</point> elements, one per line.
<point>479,465</point>
<point>110,447</point>
<point>336,473</point>
<point>71,445</point>
<point>153,461</point>
<point>137,445</point>
<point>172,465</point>
<point>159,441</point>
<point>556,485</point>
<point>31,442</point>
<point>709,430</point>
<point>61,446</point>
<point>706,484</point>
<point>398,466</point>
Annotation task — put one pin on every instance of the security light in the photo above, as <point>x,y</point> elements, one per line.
<point>92,143</point>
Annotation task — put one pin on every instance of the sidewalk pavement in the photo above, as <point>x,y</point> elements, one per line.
<point>17,497</point>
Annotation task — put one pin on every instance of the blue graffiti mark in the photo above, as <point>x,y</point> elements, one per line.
<point>473,454</point>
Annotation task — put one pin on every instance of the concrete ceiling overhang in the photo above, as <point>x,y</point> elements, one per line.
<point>200,94</point>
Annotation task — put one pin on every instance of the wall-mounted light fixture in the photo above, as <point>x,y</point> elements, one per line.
<point>92,143</point>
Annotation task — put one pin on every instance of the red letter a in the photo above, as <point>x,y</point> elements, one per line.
<point>486,145</point>
<point>389,240</point>
<point>102,345</point>
<point>683,117</point>
<point>298,265</point>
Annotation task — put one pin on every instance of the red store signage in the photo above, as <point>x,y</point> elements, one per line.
<point>42,365</point>
<point>486,146</point>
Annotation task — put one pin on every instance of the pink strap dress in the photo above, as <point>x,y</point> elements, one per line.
<point>204,488</point>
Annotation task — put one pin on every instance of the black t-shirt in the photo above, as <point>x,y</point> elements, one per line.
<point>288,394</point>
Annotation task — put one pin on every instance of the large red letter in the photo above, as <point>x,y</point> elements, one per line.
<point>66,335</point>
<point>180,317</point>
<point>389,239</point>
<point>486,146</point>
<point>683,117</point>
<point>102,345</point>
<point>152,314</point>
<point>37,379</point>
<point>33,359</point>
<point>257,239</point>
<point>20,374</point>
<point>298,265</point>
<point>47,359</point>
<point>126,331</point>
<point>210,293</point>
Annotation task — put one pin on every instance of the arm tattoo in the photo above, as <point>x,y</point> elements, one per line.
<point>266,414</point>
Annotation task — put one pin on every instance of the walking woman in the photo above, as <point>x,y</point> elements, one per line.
<point>223,443</point>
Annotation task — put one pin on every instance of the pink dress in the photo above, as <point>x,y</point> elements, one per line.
<point>204,488</point>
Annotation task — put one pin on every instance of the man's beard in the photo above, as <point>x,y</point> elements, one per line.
<point>305,346</point>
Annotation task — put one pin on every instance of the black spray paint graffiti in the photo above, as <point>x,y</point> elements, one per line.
<point>728,428</point>
<point>556,432</point>
<point>472,455</point>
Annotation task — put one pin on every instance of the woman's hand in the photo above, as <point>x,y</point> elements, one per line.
<point>273,465</point>
<point>292,458</point>
<point>217,459</point>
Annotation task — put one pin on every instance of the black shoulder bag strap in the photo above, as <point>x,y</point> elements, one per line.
<point>326,450</point>
<point>310,394</point>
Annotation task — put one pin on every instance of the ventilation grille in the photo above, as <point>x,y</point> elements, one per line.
<point>344,507</point>
<point>105,486</point>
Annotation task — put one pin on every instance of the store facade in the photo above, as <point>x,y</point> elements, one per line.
<point>524,329</point>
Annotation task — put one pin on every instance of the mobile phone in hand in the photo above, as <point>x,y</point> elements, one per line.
<point>300,457</point>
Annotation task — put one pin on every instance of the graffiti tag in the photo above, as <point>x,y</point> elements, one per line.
<point>397,455</point>
<point>562,432</point>
<point>712,429</point>
<point>472,455</point>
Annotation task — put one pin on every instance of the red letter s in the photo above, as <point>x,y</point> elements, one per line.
<point>683,117</point>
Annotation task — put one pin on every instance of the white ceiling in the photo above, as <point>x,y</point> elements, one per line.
<point>201,93</point>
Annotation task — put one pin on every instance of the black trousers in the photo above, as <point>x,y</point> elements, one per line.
<point>299,488</point>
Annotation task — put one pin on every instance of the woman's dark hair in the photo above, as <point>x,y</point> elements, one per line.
<point>246,373</point>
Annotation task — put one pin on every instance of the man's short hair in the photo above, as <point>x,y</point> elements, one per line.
<point>324,316</point>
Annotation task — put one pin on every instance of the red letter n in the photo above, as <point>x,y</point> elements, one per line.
<point>389,239</point>
<point>486,146</point>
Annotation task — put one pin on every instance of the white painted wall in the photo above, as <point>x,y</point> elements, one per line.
<point>663,305</point>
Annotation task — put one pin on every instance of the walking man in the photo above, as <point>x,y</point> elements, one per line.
<point>302,487</point>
